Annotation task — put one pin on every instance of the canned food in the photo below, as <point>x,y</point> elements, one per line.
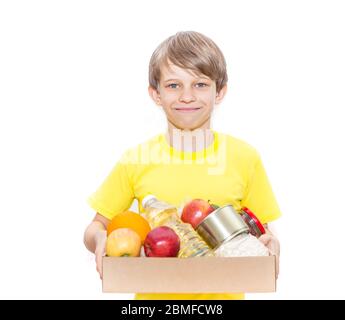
<point>221,225</point>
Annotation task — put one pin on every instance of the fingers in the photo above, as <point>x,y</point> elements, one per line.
<point>99,264</point>
<point>265,238</point>
<point>101,239</point>
<point>277,266</point>
<point>273,247</point>
<point>271,243</point>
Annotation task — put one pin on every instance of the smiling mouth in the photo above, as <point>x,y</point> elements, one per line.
<point>187,109</point>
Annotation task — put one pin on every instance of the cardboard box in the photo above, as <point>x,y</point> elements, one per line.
<point>189,275</point>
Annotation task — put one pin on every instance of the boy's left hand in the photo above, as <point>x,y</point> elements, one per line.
<point>273,246</point>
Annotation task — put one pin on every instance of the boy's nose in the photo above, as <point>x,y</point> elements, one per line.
<point>187,96</point>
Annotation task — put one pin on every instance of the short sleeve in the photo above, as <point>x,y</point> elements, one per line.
<point>259,196</point>
<point>115,194</point>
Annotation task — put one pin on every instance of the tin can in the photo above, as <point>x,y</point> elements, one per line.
<point>221,225</point>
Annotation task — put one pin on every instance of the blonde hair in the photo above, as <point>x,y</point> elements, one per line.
<point>189,50</point>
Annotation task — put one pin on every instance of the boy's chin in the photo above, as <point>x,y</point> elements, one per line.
<point>190,126</point>
<point>187,125</point>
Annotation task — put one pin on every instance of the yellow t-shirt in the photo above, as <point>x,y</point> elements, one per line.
<point>229,171</point>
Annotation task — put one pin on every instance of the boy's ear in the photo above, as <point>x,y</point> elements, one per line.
<point>221,94</point>
<point>154,94</point>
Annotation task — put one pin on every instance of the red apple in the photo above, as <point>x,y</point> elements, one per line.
<point>195,211</point>
<point>162,242</point>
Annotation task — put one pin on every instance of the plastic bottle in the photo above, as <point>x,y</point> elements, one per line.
<point>159,213</point>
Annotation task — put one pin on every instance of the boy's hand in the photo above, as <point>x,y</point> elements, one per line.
<point>101,240</point>
<point>273,246</point>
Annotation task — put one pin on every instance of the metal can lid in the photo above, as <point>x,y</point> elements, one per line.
<point>254,220</point>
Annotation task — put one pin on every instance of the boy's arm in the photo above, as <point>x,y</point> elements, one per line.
<point>272,243</point>
<point>95,238</point>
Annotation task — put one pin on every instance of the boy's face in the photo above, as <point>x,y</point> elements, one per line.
<point>187,99</point>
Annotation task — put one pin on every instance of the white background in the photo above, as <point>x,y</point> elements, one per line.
<point>73,97</point>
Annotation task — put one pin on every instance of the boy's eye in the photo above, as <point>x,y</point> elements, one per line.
<point>172,85</point>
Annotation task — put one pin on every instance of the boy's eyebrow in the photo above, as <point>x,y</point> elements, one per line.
<point>179,80</point>
<point>171,80</point>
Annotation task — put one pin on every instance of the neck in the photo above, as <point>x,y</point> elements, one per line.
<point>189,140</point>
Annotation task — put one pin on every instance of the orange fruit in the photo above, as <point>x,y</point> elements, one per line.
<point>123,242</point>
<point>131,220</point>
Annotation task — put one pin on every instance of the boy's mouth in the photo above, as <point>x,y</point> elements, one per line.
<point>187,109</point>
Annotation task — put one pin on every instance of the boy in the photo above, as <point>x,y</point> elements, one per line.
<point>187,76</point>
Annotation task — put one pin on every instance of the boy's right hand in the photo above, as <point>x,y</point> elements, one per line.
<point>101,241</point>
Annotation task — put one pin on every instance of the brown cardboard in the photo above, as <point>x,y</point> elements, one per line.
<point>189,275</point>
